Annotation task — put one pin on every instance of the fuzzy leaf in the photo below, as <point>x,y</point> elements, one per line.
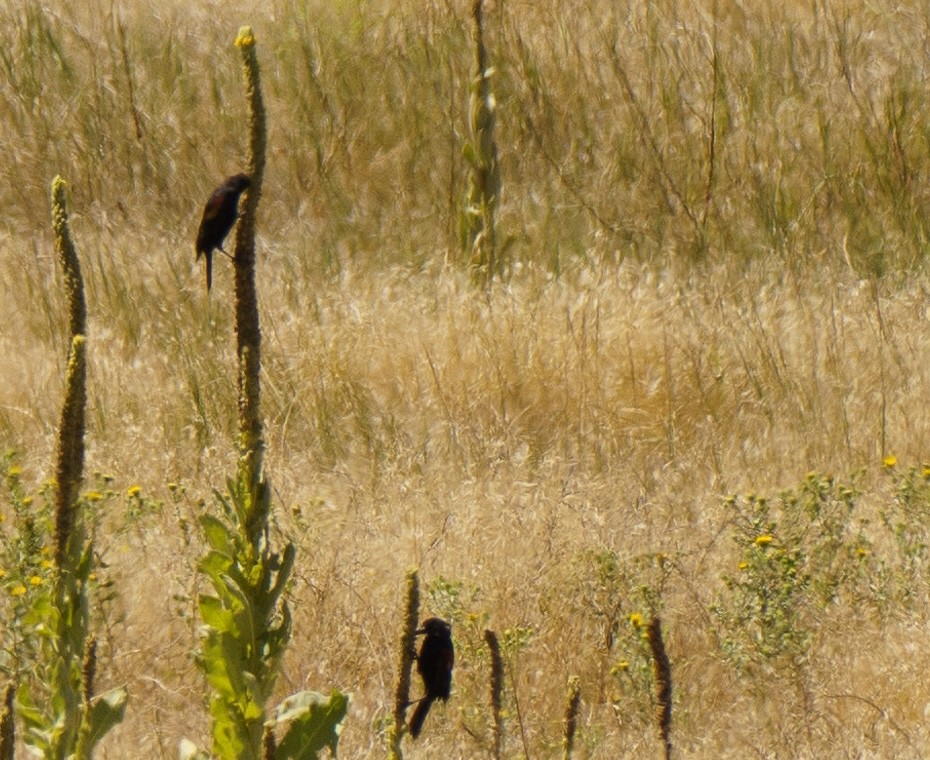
<point>106,712</point>
<point>214,614</point>
<point>187,750</point>
<point>221,660</point>
<point>218,535</point>
<point>215,565</point>
<point>230,733</point>
<point>315,724</point>
<point>468,151</point>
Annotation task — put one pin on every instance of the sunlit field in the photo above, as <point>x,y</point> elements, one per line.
<point>697,390</point>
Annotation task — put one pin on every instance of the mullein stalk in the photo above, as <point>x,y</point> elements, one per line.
<point>71,555</point>
<point>62,717</point>
<point>88,677</point>
<point>70,464</point>
<point>405,657</point>
<point>572,704</point>
<point>7,725</point>
<point>69,532</point>
<point>248,330</point>
<point>64,247</point>
<point>478,233</point>
<point>662,674</point>
<point>89,671</point>
<point>248,622</point>
<point>496,683</point>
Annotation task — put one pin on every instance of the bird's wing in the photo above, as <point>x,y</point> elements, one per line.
<point>213,206</point>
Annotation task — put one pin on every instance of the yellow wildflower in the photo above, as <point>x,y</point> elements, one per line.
<point>19,590</point>
<point>133,491</point>
<point>636,620</point>
<point>35,580</point>
<point>619,667</point>
<point>890,461</point>
<point>15,471</point>
<point>93,496</point>
<point>764,540</point>
<point>743,565</point>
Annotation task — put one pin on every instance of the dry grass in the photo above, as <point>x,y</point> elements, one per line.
<point>669,335</point>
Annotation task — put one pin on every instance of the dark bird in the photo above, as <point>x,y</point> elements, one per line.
<point>434,664</point>
<point>219,216</point>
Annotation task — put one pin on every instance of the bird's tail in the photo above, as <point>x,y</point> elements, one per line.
<point>419,715</point>
<point>209,270</point>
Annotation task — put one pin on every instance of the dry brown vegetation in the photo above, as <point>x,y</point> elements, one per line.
<point>716,222</point>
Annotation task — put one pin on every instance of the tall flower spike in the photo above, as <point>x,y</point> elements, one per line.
<point>572,703</point>
<point>74,283</point>
<point>662,673</point>
<point>405,656</point>
<point>70,452</point>
<point>70,464</point>
<point>7,724</point>
<point>248,330</point>
<point>496,683</point>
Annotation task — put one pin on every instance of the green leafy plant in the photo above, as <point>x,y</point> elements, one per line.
<point>54,582</point>
<point>632,675</point>
<point>247,622</point>
<point>621,595</point>
<point>25,567</point>
<point>903,578</point>
<point>797,553</point>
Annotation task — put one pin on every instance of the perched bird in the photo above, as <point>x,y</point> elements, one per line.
<point>219,216</point>
<point>434,664</point>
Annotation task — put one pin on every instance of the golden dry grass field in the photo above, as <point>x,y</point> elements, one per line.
<point>712,329</point>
